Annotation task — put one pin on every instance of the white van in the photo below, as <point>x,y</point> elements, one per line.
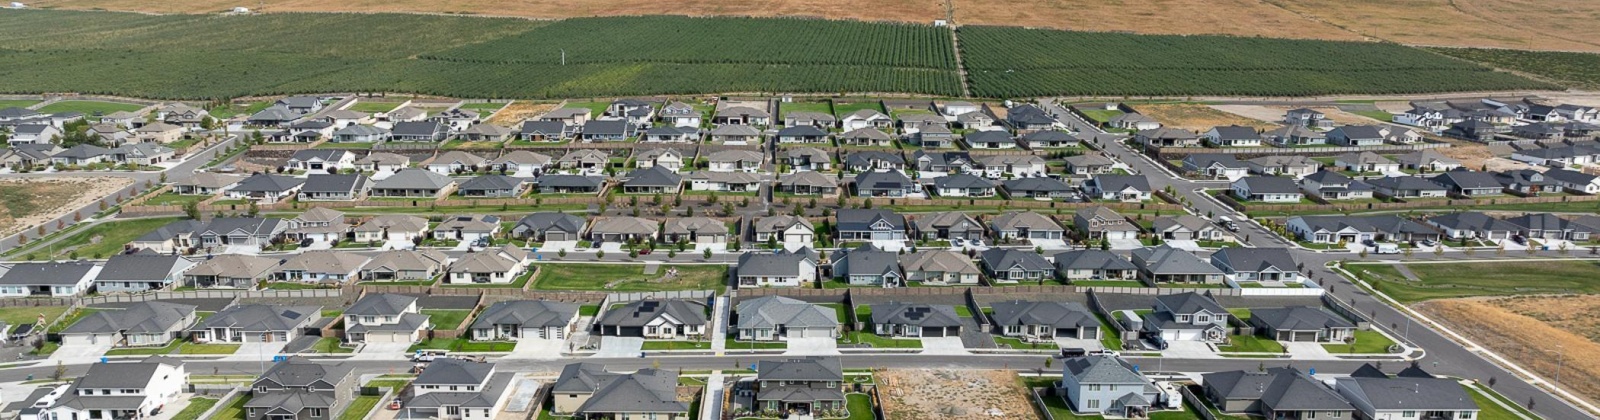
<point>1387,248</point>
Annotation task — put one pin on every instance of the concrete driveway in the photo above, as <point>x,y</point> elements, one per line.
<point>385,349</point>
<point>81,353</point>
<point>889,245</point>
<point>1125,244</point>
<point>614,248</point>
<point>1307,351</point>
<point>399,245</point>
<point>810,346</point>
<point>716,248</point>
<point>1184,244</point>
<point>250,352</point>
<point>318,246</point>
<point>1079,343</point>
<point>557,246</point>
<point>538,348</point>
<point>943,346</point>
<point>1049,244</point>
<point>620,347</point>
<point>1189,350</point>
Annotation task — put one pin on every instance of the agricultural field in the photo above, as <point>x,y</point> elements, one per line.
<point>1004,62</point>
<point>1578,70</point>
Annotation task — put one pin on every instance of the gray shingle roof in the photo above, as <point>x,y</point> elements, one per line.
<point>123,375</point>
<point>863,219</point>
<point>1101,369</point>
<point>268,183</point>
<point>254,318</point>
<point>962,181</point>
<point>51,273</point>
<point>924,315</point>
<point>1168,260</point>
<point>415,178</point>
<point>1191,302</point>
<point>569,181</point>
<point>1253,260</point>
<point>1269,185</point>
<point>814,368</point>
<point>1299,318</point>
<point>450,371</point>
<point>492,183</point>
<point>654,176</point>
<point>1054,314</point>
<point>1044,185</point>
<point>641,312</point>
<point>550,221</point>
<point>1120,182</point>
<point>333,183</point>
<point>1280,389</point>
<point>1411,394</point>
<point>381,304</point>
<point>872,180</point>
<point>868,260</point>
<point>1467,179</point>
<point>526,313</point>
<point>1092,259</point>
<point>771,311</point>
<point>645,391</point>
<point>142,317</point>
<point>299,372</point>
<point>1002,259</point>
<point>782,263</point>
<point>139,267</point>
<point>1403,183</point>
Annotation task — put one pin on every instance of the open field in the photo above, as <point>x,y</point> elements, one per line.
<point>929,394</point>
<point>89,107</point>
<point>1230,17</point>
<point>1497,324</point>
<point>1003,62</point>
<point>629,277</point>
<point>1274,114</point>
<point>520,111</point>
<point>26,202</point>
<point>102,240</point>
<point>1196,117</point>
<point>1501,278</point>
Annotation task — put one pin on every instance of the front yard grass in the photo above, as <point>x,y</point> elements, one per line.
<point>197,348</point>
<point>629,277</point>
<point>1486,398</point>
<point>196,406</point>
<point>18,315</point>
<point>1499,278</point>
<point>446,319</point>
<point>145,351</point>
<point>464,345</point>
<point>1018,344</point>
<point>234,410</point>
<point>732,344</point>
<point>520,282</point>
<point>1108,283</point>
<point>676,345</point>
<point>1367,342</point>
<point>359,407</point>
<point>71,318</point>
<point>170,199</point>
<point>330,345</point>
<point>1251,344</point>
<point>863,337</point>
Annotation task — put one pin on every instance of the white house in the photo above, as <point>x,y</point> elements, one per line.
<point>54,279</point>
<point>114,391</point>
<point>779,269</point>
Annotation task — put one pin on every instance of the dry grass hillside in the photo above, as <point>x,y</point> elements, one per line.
<point>1534,332</point>
<point>1521,24</point>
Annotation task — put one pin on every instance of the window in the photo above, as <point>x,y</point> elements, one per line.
<point>252,412</point>
<point>1183,318</point>
<point>1092,404</point>
<point>453,388</point>
<point>472,388</point>
<point>1094,387</point>
<point>1408,414</point>
<point>452,410</point>
<point>261,389</point>
<point>1203,319</point>
<point>316,412</point>
<point>1465,415</point>
<point>1337,414</point>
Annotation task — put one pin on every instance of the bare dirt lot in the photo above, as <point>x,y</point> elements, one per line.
<point>920,11</point>
<point>952,394</point>
<point>1274,114</point>
<point>1541,333</point>
<point>25,202</point>
<point>1230,17</point>
<point>1196,117</point>
<point>519,111</point>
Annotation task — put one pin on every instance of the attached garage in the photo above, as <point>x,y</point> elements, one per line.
<point>1298,336</point>
<point>811,333</point>
<point>88,339</point>
<point>1121,234</point>
<point>933,331</point>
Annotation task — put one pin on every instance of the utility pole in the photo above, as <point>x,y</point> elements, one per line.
<point>563,56</point>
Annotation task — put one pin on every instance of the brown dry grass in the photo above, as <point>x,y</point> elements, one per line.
<point>926,393</point>
<point>1521,24</point>
<point>1230,17</point>
<point>518,112</point>
<point>921,11</point>
<point>1274,114</point>
<point>1499,324</point>
<point>1196,117</point>
<point>26,202</point>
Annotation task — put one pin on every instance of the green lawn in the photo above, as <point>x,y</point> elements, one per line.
<point>394,384</point>
<point>629,277</point>
<point>373,106</point>
<point>1016,343</point>
<point>589,310</point>
<point>676,345</point>
<point>446,319</point>
<point>597,108</point>
<point>1108,283</point>
<point>330,345</point>
<point>963,311</point>
<point>875,341</point>
<point>484,107</point>
<point>1499,278</point>
<point>18,315</point>
<point>89,107</point>
<point>1367,342</point>
<point>17,103</point>
<point>71,318</point>
<point>144,351</point>
<point>289,285</point>
<point>1058,408</point>
<point>841,109</point>
<point>197,348</point>
<point>860,406</point>
<point>1376,114</point>
<point>234,410</point>
<point>1241,313</point>
<point>1100,115</point>
<point>359,407</point>
<point>111,237</point>
<point>838,310</point>
<point>1108,334</point>
<point>1485,398</point>
<point>731,344</point>
<point>818,107</point>
<point>196,406</point>
<point>462,344</point>
<point>230,110</point>
<point>1251,344</point>
<point>518,283</point>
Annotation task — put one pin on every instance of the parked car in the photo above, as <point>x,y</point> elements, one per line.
<point>1370,243</point>
<point>958,242</point>
<point>1519,239</point>
<point>1429,243</point>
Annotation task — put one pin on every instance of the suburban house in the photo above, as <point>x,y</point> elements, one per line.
<point>725,181</point>
<point>429,131</point>
<point>1295,135</point>
<point>1011,166</point>
<point>141,271</point>
<point>320,160</point>
<point>1365,162</point>
<point>1088,164</point>
<point>1026,225</point>
<point>778,269</point>
<point>552,131</point>
<point>1355,136</point>
<point>872,160</point>
<point>1029,117</point>
<point>1107,385</point>
<point>1302,324</point>
<point>963,185</point>
<point>587,390</point>
<point>899,319</point>
<point>1044,321</point>
<point>391,228</point>
<point>1164,264</point>
<point>1232,136</point>
<point>808,183</point>
<point>1351,229</point>
<point>1427,161</point>
<point>1275,393</point>
<point>48,279</point>
<point>569,117</point>
<point>1525,182</point>
<point>1473,225</point>
<point>569,184</point>
<point>494,265</point>
<point>659,319</point>
<point>453,388</point>
<point>623,229</point>
<point>990,140</point>
<point>142,324</point>
<point>1546,226</point>
<point>734,134</point>
<point>334,187</point>
<point>1412,394</point>
<point>519,319</point>
<point>665,157</point>
<point>405,265</point>
<point>521,162</point>
<point>865,118</point>
<point>218,234</point>
<point>791,232</point>
<point>1099,222</point>
<point>695,231</point>
<point>1038,188</point>
<point>946,162</point>
<point>774,318</point>
<point>1405,187</point>
<point>265,188</point>
<point>735,161</point>
<point>1048,139</point>
<point>385,318</point>
<point>256,323</point>
<point>870,225</point>
<point>1258,264</point>
<point>1335,186</point>
<point>486,132</point>
<point>467,227</point>
<point>296,388</point>
<point>741,115</point>
<point>868,266</point>
<point>1186,227</point>
<point>811,386</point>
<point>939,268</point>
<point>320,266</point>
<point>361,134</point>
<point>806,159</point>
<point>1094,264</point>
<point>1166,137</point>
<point>145,154</point>
<point>230,271</point>
<point>1265,189</point>
<point>946,225</point>
<point>111,391</point>
<point>1186,316</point>
<point>1574,181</point>
<point>383,162</point>
<point>1133,121</point>
<point>1467,183</point>
<point>455,162</point>
<point>812,134</point>
<point>549,226</point>
<point>1216,166</point>
<point>414,183</point>
<point>1015,265</point>
<point>1283,165</point>
<point>1124,188</point>
<point>493,186</point>
<point>679,114</point>
<point>652,180</point>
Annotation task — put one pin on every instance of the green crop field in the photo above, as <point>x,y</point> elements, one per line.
<point>1578,70</point>
<point>1006,62</point>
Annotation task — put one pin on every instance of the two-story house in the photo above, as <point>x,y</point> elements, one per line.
<point>1099,222</point>
<point>868,266</point>
<point>299,389</point>
<point>587,390</point>
<point>1014,265</point>
<point>1108,385</point>
<point>1186,316</point>
<point>812,386</point>
<point>112,391</point>
<point>791,232</point>
<point>456,389</point>
<point>385,318</point>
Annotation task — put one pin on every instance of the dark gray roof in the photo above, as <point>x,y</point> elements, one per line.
<point>527,313</point>
<point>1055,314</point>
<point>123,375</point>
<point>485,398</point>
<point>1299,318</point>
<point>872,180</point>
<point>1204,160</point>
<point>570,181</point>
<point>641,312</point>
<point>645,391</point>
<point>1269,185</point>
<point>1544,221</point>
<point>1280,389</point>
<point>46,273</point>
<point>142,317</point>
<point>989,137</point>
<point>492,183</point>
<point>546,128</point>
<point>451,371</point>
<point>801,131</point>
<point>654,176</point>
<point>962,181</point>
<point>606,127</point>
<point>416,128</point>
<point>1040,184</point>
<point>1101,369</point>
<point>867,157</point>
<point>1404,183</point>
<point>813,368</point>
<point>415,178</point>
<point>1358,132</point>
<point>253,318</point>
<point>1254,260</point>
<point>1120,182</point>
<point>867,260</point>
<point>1471,220</point>
<point>546,221</point>
<point>323,154</point>
<point>1466,179</point>
<point>1191,302</point>
<point>1049,136</point>
<point>334,183</point>
<point>268,183</point>
<point>1003,259</point>
<point>170,230</point>
<point>863,219</point>
<point>139,267</point>
<point>83,151</point>
<point>1235,132</point>
<point>781,263</point>
<point>1573,177</point>
<point>772,311</point>
<point>297,371</point>
<point>1411,394</point>
<point>924,315</point>
<point>1328,177</point>
<point>1028,114</point>
<point>381,304</point>
<point>1168,260</point>
<point>1092,259</point>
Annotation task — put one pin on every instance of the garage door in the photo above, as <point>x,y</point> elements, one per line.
<point>1305,336</point>
<point>383,338</point>
<point>933,332</point>
<point>811,333</point>
<point>1182,335</point>
<point>631,332</point>
<point>556,236</point>
<point>1067,332</point>
<point>1120,235</point>
<point>80,339</point>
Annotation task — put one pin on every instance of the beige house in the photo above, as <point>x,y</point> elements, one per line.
<point>939,268</point>
<point>159,132</point>
<point>391,227</point>
<point>494,265</point>
<point>404,265</point>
